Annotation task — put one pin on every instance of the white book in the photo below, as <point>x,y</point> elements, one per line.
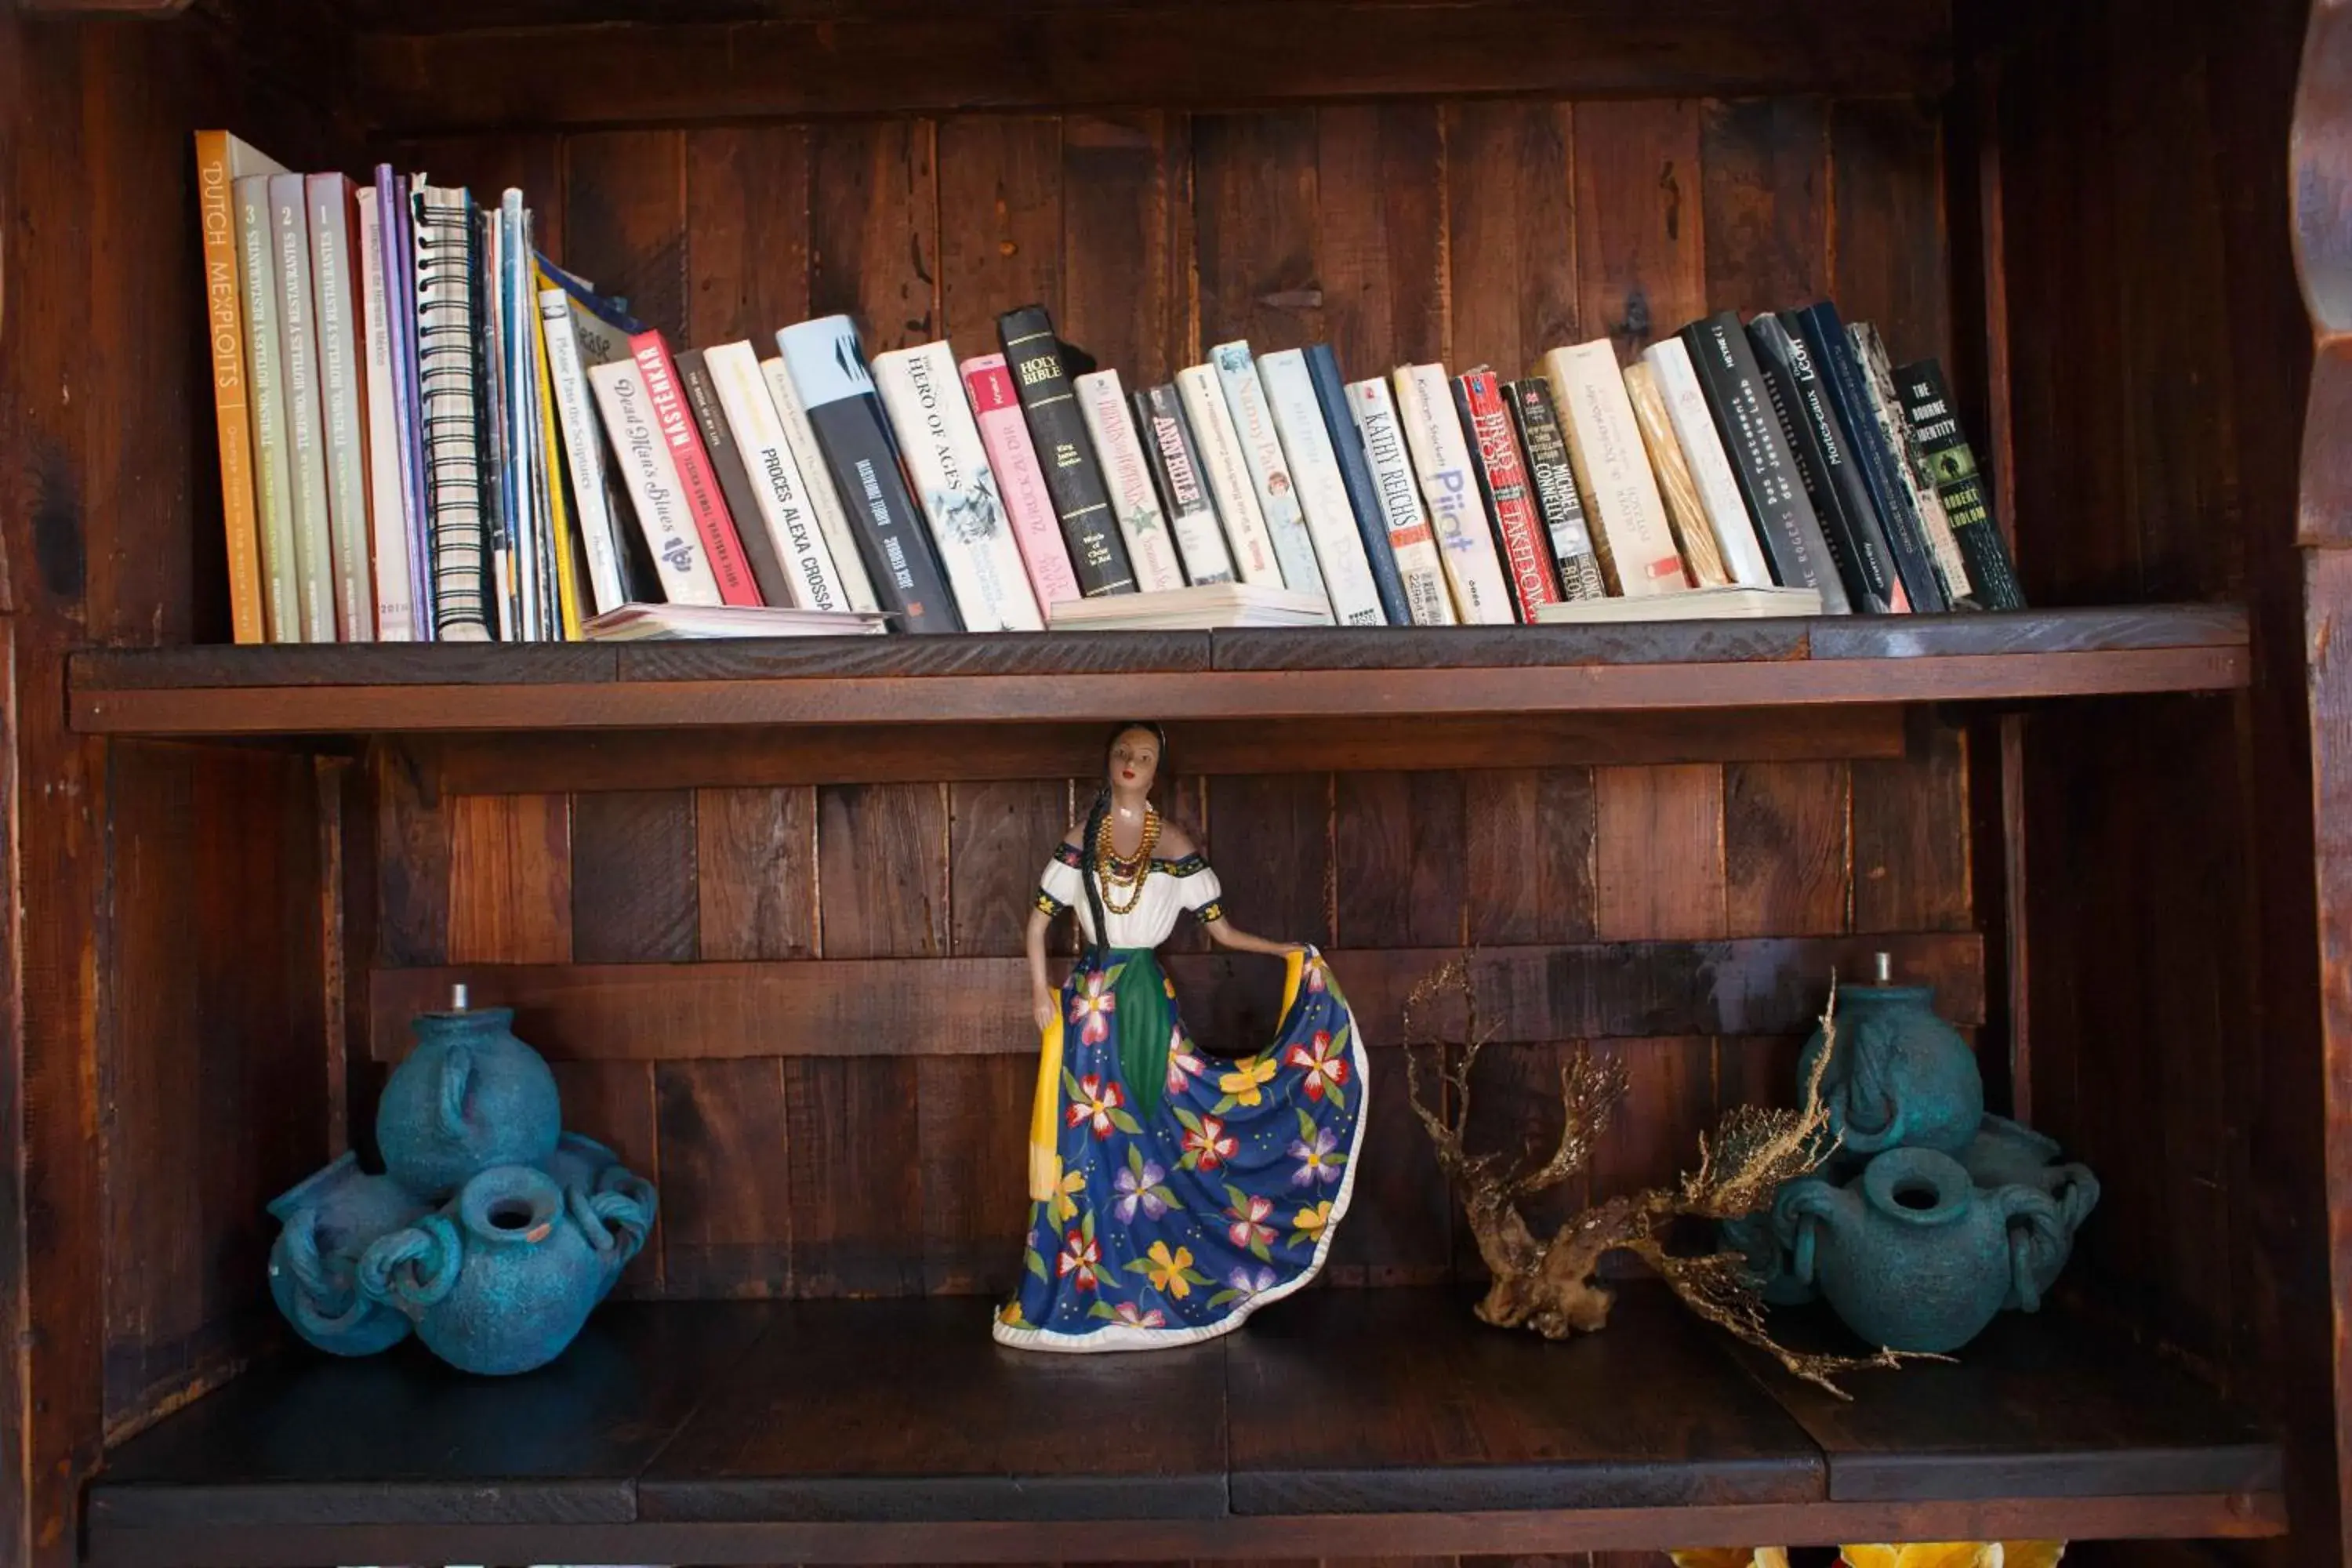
<point>1150,549</point>
<point>1736,603</point>
<point>1269,466</point>
<point>1202,607</point>
<point>1322,491</point>
<point>776,483</point>
<point>395,609</point>
<point>1228,476</point>
<point>650,477</point>
<point>1441,456</point>
<point>824,500</point>
<point>342,401</point>
<point>1702,443</point>
<point>1627,514</point>
<point>940,441</point>
<point>583,452</point>
<point>664,622</point>
<point>1407,520</point>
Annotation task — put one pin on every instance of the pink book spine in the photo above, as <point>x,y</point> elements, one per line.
<point>1004,432</point>
<point>700,481</point>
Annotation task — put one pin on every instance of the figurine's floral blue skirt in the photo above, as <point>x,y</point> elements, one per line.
<point>1173,1192</point>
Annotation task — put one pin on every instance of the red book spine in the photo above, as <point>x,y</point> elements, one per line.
<point>695,474</point>
<point>1526,546</point>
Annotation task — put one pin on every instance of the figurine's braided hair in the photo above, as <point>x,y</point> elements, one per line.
<point>1098,949</point>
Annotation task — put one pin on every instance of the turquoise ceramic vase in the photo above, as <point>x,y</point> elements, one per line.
<point>2006,1153</point>
<point>1901,1078</point>
<point>501,1281</point>
<point>469,1097</point>
<point>327,1223</point>
<point>1914,1256</point>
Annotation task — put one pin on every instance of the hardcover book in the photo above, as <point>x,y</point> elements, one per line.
<point>342,401</point>
<point>712,523</point>
<point>306,433</point>
<point>1142,526</point>
<point>387,512</point>
<point>1685,512</point>
<point>1220,449</point>
<point>831,382</point>
<point>841,537</point>
<point>649,475</point>
<point>1033,353</point>
<point>1019,482</point>
<point>956,489</point>
<point>1183,488</point>
<point>1322,491</point>
<point>1433,432</point>
<point>1356,473</point>
<point>1412,542</point>
<point>1951,467</point>
<point>1710,470</point>
<point>1613,470</point>
<point>1758,445</point>
<point>1553,480</point>
<point>1824,458</point>
<point>1501,476</point>
<point>451,414</point>
<point>1886,406</point>
<point>1269,468</point>
<point>780,503</point>
<point>221,161</point>
<point>1824,336</point>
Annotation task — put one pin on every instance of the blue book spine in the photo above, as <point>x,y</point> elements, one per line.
<point>1906,540</point>
<point>1356,473</point>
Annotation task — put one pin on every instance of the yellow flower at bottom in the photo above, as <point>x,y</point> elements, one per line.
<point>1167,1271</point>
<point>1066,1202</point>
<point>1926,1555</point>
<point>1242,1082</point>
<point>1311,1221</point>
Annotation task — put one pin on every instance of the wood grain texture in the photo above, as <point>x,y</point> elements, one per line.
<point>624,218</point>
<point>874,230</point>
<point>1659,857</point>
<point>755,872</point>
<point>1255,197</point>
<point>1382,242</point>
<point>1125,241</point>
<point>1001,226</point>
<point>728,1198</point>
<point>634,893</point>
<point>1512,233</point>
<point>1786,846</point>
<point>747,220</point>
<point>1530,856</point>
<point>510,879</point>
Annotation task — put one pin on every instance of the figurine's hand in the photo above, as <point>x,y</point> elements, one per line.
<point>1044,1008</point>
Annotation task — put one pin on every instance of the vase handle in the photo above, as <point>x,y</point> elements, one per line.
<point>456,1076</point>
<point>2034,1224</point>
<point>414,1269</point>
<point>1804,1206</point>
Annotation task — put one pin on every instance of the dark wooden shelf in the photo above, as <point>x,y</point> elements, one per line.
<point>1056,678</point>
<point>1353,1424</point>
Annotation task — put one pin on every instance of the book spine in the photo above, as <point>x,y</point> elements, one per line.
<point>1441,456</point>
<point>1410,538</point>
<point>1822,458</point>
<point>1824,337</point>
<point>828,370</point>
<point>1320,489</point>
<point>265,368</point>
<point>1269,469</point>
<point>1685,512</point>
<point>582,451</point>
<point>1503,484</point>
<point>1219,446</point>
<point>956,488</point>
<point>711,522</point>
<point>225,323</point>
<point>841,539</point>
<point>1710,470</point>
<point>1950,464</point>
<point>398,232</point>
<point>651,476</point>
<point>1630,534</point>
<point>1183,488</point>
<point>562,519</point>
<point>298,347</point>
<point>493,437</point>
<point>1142,525</point>
<point>1886,407</point>
<point>1033,353</point>
<point>1740,402</point>
<point>450,381</point>
<point>341,375</point>
<point>393,610</point>
<point>768,574</point>
<point>1020,483</point>
<point>1346,445</point>
<point>1553,480</point>
<point>780,491</point>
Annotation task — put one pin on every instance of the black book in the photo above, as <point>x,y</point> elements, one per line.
<point>1034,356</point>
<point>1553,477</point>
<point>1175,464</point>
<point>1825,457</point>
<point>734,480</point>
<point>1825,337</point>
<point>1757,445</point>
<point>1950,464</point>
<point>1356,474</point>
<point>828,369</point>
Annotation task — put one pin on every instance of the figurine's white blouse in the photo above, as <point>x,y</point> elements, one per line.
<point>1171,888</point>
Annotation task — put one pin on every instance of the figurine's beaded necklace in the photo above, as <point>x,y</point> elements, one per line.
<point>1129,874</point>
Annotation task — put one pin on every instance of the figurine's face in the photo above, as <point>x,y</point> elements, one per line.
<point>1134,762</point>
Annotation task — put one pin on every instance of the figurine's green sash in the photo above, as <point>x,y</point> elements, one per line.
<point>1144,1016</point>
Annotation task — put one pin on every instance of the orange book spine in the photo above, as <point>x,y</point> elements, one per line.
<point>224,327</point>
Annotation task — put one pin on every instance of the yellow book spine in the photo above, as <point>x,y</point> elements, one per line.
<point>567,575</point>
<point>224,327</point>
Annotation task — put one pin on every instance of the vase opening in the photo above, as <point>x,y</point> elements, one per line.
<point>513,1214</point>
<point>1917,1186</point>
<point>1918,1195</point>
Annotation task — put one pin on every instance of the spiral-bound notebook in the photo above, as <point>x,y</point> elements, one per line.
<point>447,374</point>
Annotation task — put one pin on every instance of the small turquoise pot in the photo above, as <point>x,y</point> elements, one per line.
<point>2006,1153</point>
<point>1914,1255</point>
<point>1901,1078</point>
<point>501,1281</point>
<point>327,1223</point>
<point>469,1097</point>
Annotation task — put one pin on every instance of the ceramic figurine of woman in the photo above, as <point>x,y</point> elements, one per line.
<point>1173,1192</point>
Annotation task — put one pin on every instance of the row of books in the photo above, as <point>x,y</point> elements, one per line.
<point>429,431</point>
